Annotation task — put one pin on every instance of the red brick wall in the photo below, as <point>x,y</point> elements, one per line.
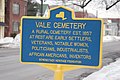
<point>10,17</point>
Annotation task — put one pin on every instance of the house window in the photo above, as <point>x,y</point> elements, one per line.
<point>106,32</point>
<point>108,27</point>
<point>16,8</point>
<point>15,26</point>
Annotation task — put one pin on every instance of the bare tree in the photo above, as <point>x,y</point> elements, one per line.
<point>83,3</point>
<point>110,6</point>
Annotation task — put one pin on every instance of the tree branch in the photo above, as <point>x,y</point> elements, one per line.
<point>83,5</point>
<point>108,7</point>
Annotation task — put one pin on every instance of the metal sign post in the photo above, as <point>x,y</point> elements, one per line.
<point>61,42</point>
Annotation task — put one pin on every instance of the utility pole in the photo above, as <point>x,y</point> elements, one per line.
<point>118,27</point>
<point>83,8</point>
<point>41,8</point>
<point>96,13</point>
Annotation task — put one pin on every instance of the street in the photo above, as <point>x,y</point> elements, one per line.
<point>12,69</point>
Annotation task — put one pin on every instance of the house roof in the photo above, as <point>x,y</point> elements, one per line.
<point>90,15</point>
<point>115,19</point>
<point>53,6</point>
<point>85,15</point>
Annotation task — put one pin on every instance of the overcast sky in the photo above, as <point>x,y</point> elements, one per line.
<point>94,7</point>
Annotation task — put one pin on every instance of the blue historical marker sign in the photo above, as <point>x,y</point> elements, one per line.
<point>61,39</point>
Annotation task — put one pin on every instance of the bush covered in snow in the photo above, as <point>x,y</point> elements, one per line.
<point>16,40</point>
<point>10,42</point>
<point>6,40</point>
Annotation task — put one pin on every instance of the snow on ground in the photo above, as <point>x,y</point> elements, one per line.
<point>10,42</point>
<point>110,72</point>
<point>108,38</point>
<point>6,40</point>
<point>111,38</point>
<point>15,43</point>
<point>117,38</point>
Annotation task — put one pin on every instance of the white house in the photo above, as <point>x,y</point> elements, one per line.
<point>2,14</point>
<point>111,28</point>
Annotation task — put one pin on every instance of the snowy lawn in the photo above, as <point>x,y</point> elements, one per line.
<point>6,40</point>
<point>111,38</point>
<point>9,42</point>
<point>15,43</point>
<point>110,72</point>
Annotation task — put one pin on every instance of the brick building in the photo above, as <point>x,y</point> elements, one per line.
<point>14,10</point>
